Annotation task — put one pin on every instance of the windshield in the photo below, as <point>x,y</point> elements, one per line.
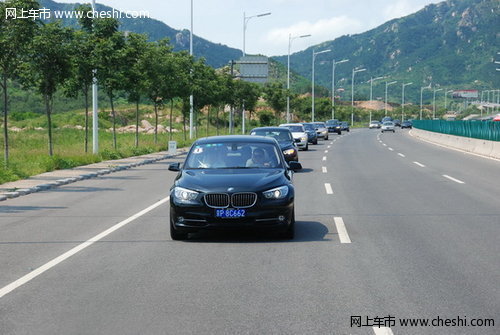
<point>280,135</point>
<point>319,125</point>
<point>295,129</point>
<point>309,127</point>
<point>232,155</point>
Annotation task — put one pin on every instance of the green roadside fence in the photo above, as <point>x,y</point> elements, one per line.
<point>485,130</point>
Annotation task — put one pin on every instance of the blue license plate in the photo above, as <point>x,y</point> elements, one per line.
<point>230,213</point>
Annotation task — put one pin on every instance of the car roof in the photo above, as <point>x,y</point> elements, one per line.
<point>271,129</point>
<point>236,138</point>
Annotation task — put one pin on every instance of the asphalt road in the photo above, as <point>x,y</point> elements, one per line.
<point>388,227</point>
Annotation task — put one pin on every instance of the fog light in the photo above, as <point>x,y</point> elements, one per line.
<point>281,218</point>
<point>180,219</point>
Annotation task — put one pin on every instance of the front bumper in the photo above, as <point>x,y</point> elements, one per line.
<point>265,214</point>
<point>322,134</point>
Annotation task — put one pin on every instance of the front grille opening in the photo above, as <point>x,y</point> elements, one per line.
<point>242,200</point>
<point>217,200</point>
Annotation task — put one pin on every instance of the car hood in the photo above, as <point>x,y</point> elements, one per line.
<point>240,180</point>
<point>298,135</point>
<point>285,145</point>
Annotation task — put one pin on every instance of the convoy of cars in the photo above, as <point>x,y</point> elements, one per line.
<point>245,181</point>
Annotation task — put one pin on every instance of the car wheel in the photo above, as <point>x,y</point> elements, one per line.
<point>348,130</point>
<point>326,138</point>
<point>176,235</point>
<point>339,132</point>
<point>315,141</point>
<point>307,147</point>
<point>289,233</point>
<point>394,131</point>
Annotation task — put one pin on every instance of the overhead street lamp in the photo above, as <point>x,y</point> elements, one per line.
<point>314,54</point>
<point>434,102</point>
<point>334,63</point>
<point>421,95</point>
<point>403,101</point>
<point>354,71</point>
<point>290,40</point>
<point>245,22</point>
<point>191,102</point>
<point>95,121</point>
<point>387,84</point>
<point>371,90</point>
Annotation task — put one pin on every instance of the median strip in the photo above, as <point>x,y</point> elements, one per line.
<point>47,266</point>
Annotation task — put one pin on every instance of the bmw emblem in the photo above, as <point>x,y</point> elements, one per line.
<point>230,189</point>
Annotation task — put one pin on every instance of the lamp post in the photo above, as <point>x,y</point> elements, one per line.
<point>191,102</point>
<point>95,123</point>
<point>245,22</point>
<point>403,101</point>
<point>333,84</point>
<point>314,54</point>
<point>371,91</point>
<point>290,39</point>
<point>421,96</point>
<point>387,84</point>
<point>434,102</point>
<point>354,71</point>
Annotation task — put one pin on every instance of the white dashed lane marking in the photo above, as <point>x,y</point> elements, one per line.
<point>419,164</point>
<point>324,169</point>
<point>400,154</point>
<point>328,188</point>
<point>341,230</point>
<point>453,179</point>
<point>382,331</point>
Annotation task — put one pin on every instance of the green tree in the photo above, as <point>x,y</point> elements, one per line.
<point>50,66</point>
<point>275,95</point>
<point>134,77</point>
<point>15,38</point>
<point>83,65</point>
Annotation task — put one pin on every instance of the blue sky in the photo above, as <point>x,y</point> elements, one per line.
<point>222,21</point>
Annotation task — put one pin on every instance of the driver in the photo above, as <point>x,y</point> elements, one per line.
<point>258,159</point>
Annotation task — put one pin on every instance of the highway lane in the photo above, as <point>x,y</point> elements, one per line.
<point>422,246</point>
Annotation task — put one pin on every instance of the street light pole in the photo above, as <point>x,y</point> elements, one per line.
<point>333,84</point>
<point>371,91</point>
<point>387,85</point>
<point>403,102</point>
<point>434,102</point>
<point>290,39</point>
<point>95,121</point>
<point>191,102</point>
<point>245,22</point>
<point>445,99</point>
<point>421,96</point>
<point>313,58</point>
<point>354,71</point>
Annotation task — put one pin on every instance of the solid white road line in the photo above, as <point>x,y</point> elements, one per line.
<point>383,331</point>
<point>391,149</point>
<point>341,230</point>
<point>454,179</point>
<point>324,158</point>
<point>419,164</point>
<point>328,188</point>
<point>324,169</point>
<point>47,266</point>
<point>400,154</point>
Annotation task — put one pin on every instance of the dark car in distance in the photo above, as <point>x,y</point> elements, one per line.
<point>229,182</point>
<point>345,126</point>
<point>284,138</point>
<point>312,136</point>
<point>334,126</point>
<point>406,124</point>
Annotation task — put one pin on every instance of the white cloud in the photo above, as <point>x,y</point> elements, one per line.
<point>400,8</point>
<point>321,31</point>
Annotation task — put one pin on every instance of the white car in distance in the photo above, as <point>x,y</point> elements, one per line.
<point>299,134</point>
<point>388,126</point>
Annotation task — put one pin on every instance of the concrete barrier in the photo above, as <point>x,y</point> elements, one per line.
<point>472,145</point>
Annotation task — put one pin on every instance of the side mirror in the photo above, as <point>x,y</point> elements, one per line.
<point>295,166</point>
<point>174,167</point>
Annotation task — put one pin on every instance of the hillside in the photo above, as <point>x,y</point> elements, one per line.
<point>216,54</point>
<point>451,44</point>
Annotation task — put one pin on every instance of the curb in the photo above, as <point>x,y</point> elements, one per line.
<point>64,181</point>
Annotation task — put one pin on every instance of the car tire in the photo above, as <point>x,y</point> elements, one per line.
<point>315,141</point>
<point>394,131</point>
<point>326,138</point>
<point>289,233</point>
<point>176,235</point>
<point>307,147</point>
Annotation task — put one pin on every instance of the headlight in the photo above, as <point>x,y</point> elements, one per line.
<point>304,138</point>
<point>184,195</point>
<point>276,193</point>
<point>289,152</point>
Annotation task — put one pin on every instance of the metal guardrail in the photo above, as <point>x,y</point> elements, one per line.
<point>485,130</point>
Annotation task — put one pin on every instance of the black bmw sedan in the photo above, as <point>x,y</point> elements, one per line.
<point>233,182</point>
<point>285,140</point>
